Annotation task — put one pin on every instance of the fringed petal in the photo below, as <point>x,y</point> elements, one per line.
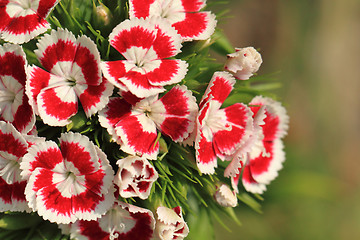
<point>196,26</point>
<point>57,105</point>
<point>135,127</point>
<point>175,113</point>
<point>20,23</point>
<point>94,98</point>
<point>219,87</point>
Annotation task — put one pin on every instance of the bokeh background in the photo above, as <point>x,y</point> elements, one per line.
<point>315,44</point>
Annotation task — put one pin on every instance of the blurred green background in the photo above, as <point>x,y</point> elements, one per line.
<point>316,46</point>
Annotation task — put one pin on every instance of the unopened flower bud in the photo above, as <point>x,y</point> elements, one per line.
<point>243,63</point>
<point>103,14</point>
<point>225,197</point>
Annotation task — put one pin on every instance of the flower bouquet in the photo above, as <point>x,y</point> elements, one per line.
<point>117,123</point>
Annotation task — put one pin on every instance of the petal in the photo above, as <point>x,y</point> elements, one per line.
<point>43,154</point>
<point>168,72</point>
<point>80,151</point>
<point>12,197</point>
<point>134,33</point>
<point>24,116</point>
<point>114,71</point>
<point>139,8</point>
<point>124,76</point>
<point>220,86</point>
<point>250,184</point>
<point>12,80</point>
<point>238,117</point>
<point>37,80</point>
<point>88,59</point>
<point>19,25</point>
<point>13,62</point>
<point>116,109</point>
<point>56,52</point>
<point>196,26</point>
<point>57,105</point>
<point>138,83</point>
<point>168,42</point>
<point>94,98</point>
<point>265,167</point>
<point>175,113</point>
<point>193,5</point>
<point>276,121</point>
<point>134,127</point>
<point>12,147</point>
<point>206,158</point>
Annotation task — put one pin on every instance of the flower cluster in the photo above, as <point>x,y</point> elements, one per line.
<point>109,135</point>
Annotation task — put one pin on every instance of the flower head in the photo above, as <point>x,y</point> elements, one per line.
<point>220,132</point>
<point>146,46</point>
<point>170,224</point>
<point>265,159</point>
<point>135,177</point>
<point>173,114</point>
<point>14,103</point>
<point>184,15</point>
<point>73,74</point>
<point>243,63</point>
<point>123,222</point>
<point>22,20</point>
<point>68,183</point>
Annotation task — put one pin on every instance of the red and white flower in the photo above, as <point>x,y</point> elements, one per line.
<point>123,222</point>
<point>68,183</point>
<point>170,224</point>
<point>23,20</point>
<point>71,76</point>
<point>225,197</point>
<point>184,15</point>
<point>173,114</point>
<point>264,161</point>
<point>146,46</point>
<point>14,103</point>
<point>135,177</point>
<point>243,63</point>
<point>220,132</point>
<point>13,147</point>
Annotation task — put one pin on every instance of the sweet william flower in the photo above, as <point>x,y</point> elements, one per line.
<point>146,46</point>
<point>22,20</point>
<point>170,224</point>
<point>184,15</point>
<point>14,103</point>
<point>243,63</point>
<point>220,132</point>
<point>225,197</point>
<point>13,147</point>
<point>68,183</point>
<point>72,74</point>
<point>121,222</point>
<point>264,161</point>
<point>173,114</point>
<point>135,177</point>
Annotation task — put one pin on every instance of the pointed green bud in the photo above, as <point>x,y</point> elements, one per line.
<point>163,146</point>
<point>102,15</point>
